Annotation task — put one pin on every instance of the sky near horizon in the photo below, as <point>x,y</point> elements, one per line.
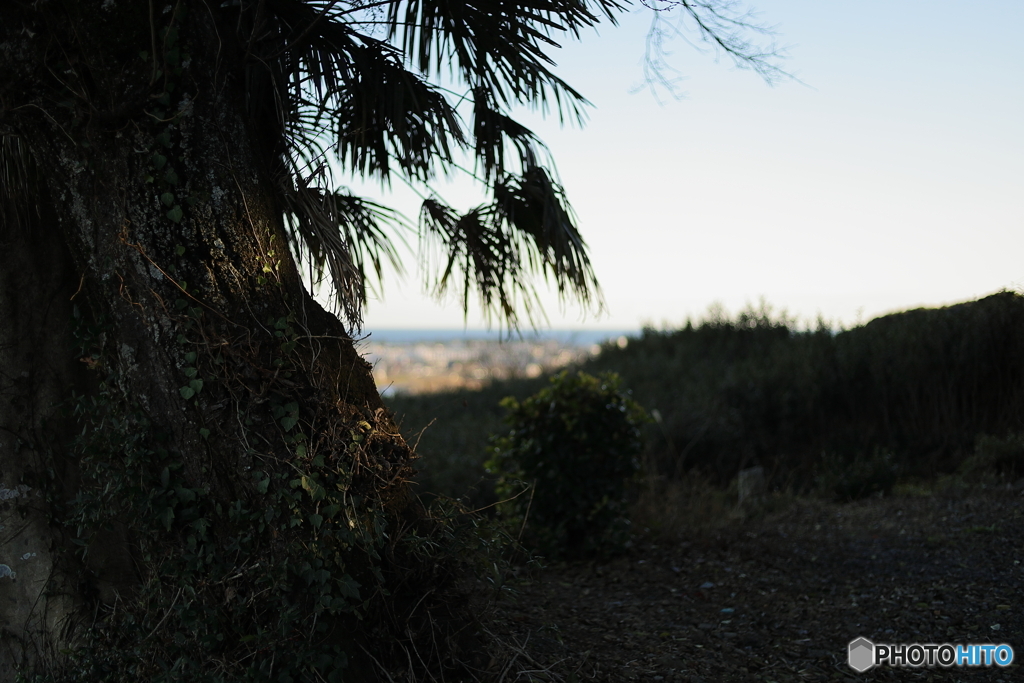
<point>890,176</point>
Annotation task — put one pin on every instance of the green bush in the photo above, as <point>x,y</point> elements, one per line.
<point>564,467</point>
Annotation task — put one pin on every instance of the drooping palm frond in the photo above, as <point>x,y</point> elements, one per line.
<point>494,248</point>
<point>368,80</point>
<point>326,84</point>
<point>536,207</point>
<point>480,250</point>
<point>344,235</point>
<point>494,132</point>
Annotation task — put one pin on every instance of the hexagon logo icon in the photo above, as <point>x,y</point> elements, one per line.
<point>861,655</point>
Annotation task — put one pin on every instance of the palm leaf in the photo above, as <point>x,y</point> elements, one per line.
<point>493,249</point>
<point>493,131</point>
<point>362,78</point>
<point>344,235</point>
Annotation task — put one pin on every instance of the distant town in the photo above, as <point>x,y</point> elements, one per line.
<point>417,367</point>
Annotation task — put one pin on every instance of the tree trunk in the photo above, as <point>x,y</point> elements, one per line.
<point>195,465</point>
<point>37,369</point>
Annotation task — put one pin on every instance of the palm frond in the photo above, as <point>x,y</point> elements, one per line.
<point>328,76</point>
<point>344,235</point>
<point>363,80</point>
<point>495,249</point>
<point>493,131</point>
<point>497,45</point>
<point>481,256</point>
<point>536,208</point>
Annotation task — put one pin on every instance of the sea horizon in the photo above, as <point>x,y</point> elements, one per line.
<point>573,337</point>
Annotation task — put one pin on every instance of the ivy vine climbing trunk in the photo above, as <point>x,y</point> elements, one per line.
<point>197,476</point>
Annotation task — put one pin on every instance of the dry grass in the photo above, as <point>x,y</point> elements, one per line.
<point>665,508</point>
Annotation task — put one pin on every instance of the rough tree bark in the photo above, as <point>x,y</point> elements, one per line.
<point>152,272</point>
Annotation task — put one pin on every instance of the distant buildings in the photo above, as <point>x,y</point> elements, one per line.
<point>429,367</point>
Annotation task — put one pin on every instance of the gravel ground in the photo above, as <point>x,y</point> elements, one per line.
<point>778,598</point>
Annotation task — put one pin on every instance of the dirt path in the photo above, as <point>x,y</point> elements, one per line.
<point>779,599</point>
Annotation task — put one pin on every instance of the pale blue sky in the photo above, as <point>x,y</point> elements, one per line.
<point>891,177</point>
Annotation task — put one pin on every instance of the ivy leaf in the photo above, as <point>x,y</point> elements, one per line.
<point>175,214</point>
<point>263,485</point>
<point>191,372</point>
<point>185,495</point>
<point>159,160</point>
<point>167,198</point>
<point>287,422</point>
<point>167,516</point>
<point>316,520</point>
<point>196,385</point>
<point>187,392</point>
<point>348,587</point>
<point>313,487</point>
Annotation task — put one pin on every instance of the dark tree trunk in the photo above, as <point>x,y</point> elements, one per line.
<point>38,367</point>
<point>160,360</point>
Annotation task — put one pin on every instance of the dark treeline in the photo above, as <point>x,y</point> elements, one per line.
<point>909,393</point>
<point>920,385</point>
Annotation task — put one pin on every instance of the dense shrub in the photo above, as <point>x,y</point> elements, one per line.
<point>754,390</point>
<point>564,465</point>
